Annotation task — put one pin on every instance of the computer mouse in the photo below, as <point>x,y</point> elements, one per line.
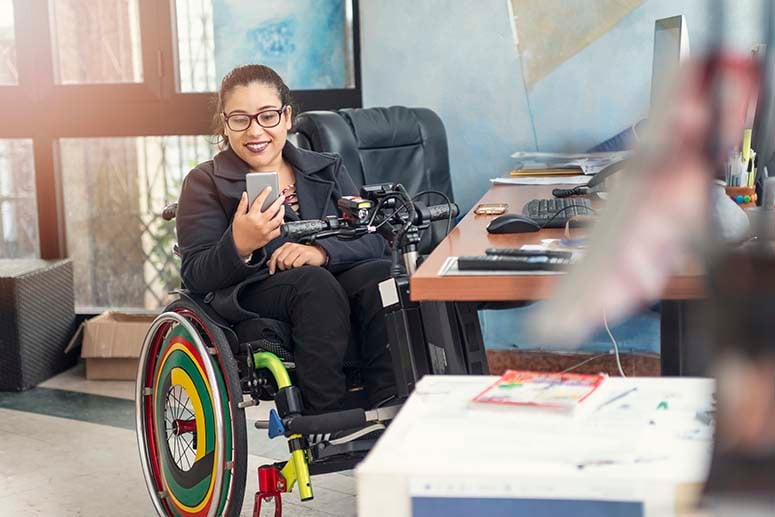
<point>513,223</point>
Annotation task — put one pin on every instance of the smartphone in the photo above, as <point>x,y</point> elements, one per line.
<point>256,182</point>
<point>491,208</point>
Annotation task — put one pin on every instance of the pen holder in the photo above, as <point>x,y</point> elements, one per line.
<point>743,196</point>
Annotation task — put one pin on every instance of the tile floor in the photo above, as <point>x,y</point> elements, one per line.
<point>68,448</point>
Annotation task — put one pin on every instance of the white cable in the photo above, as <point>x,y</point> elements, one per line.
<point>616,347</point>
<point>357,434</point>
<point>585,361</point>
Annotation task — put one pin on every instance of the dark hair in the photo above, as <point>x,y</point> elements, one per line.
<point>243,76</point>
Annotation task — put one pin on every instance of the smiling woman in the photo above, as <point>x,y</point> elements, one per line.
<point>235,251</point>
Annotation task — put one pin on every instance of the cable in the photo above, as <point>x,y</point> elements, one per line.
<point>578,190</point>
<point>395,212</point>
<point>358,434</point>
<point>616,347</point>
<point>566,207</point>
<point>375,212</point>
<point>412,211</point>
<point>379,205</point>
<point>446,199</point>
<point>585,361</point>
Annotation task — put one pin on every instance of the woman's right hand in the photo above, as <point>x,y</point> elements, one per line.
<point>252,228</point>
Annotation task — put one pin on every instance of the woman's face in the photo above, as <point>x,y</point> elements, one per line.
<point>260,147</point>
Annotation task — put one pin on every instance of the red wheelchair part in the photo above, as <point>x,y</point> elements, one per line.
<point>271,484</point>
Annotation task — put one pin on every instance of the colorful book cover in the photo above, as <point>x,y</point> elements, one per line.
<point>557,391</point>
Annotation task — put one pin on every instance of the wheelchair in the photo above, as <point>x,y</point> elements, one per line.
<point>197,374</point>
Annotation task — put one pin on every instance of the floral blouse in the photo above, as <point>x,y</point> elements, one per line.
<point>291,197</point>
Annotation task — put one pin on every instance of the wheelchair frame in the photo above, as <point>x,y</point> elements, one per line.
<point>190,387</point>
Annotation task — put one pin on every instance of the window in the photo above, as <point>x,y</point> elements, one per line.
<point>84,78</point>
<point>196,53</point>
<point>8,73</point>
<point>96,41</point>
<point>120,246</point>
<point>18,210</point>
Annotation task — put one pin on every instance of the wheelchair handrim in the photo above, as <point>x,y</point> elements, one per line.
<point>189,360</point>
<point>229,430</point>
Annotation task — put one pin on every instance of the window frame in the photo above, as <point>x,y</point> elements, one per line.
<point>39,109</point>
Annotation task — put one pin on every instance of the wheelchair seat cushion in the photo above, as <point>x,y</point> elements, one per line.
<point>270,346</point>
<point>275,336</point>
<point>276,332</point>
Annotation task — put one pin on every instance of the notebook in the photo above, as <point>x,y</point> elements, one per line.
<point>554,392</point>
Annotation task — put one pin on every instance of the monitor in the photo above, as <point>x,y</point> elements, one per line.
<point>763,141</point>
<point>671,47</point>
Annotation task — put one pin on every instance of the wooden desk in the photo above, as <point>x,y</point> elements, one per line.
<point>470,237</point>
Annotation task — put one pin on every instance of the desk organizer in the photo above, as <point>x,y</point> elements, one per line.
<point>37,318</point>
<point>743,196</point>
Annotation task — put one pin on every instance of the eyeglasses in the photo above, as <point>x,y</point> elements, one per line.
<point>267,119</point>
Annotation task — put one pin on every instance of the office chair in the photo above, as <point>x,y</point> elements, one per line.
<point>395,144</point>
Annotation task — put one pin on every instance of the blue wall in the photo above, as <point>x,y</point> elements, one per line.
<point>459,59</point>
<point>605,88</point>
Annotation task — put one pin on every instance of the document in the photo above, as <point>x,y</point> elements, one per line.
<point>541,180</point>
<point>589,163</point>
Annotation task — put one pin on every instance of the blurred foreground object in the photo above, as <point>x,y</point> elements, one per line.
<point>656,217</point>
<point>662,213</point>
<point>741,319</point>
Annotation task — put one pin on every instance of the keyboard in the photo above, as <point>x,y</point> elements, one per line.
<point>542,210</point>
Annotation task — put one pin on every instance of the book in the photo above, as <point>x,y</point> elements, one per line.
<point>560,392</point>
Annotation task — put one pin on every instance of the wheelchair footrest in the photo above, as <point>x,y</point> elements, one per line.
<point>336,458</point>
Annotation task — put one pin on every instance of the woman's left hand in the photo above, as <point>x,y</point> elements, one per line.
<point>292,255</point>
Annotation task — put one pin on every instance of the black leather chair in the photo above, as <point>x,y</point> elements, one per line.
<point>398,144</point>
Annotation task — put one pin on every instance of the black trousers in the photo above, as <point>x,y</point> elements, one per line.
<point>325,313</point>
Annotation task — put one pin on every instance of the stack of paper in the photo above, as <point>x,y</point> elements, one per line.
<point>541,180</point>
<point>588,163</point>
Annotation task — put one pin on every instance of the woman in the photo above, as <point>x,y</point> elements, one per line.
<point>235,251</point>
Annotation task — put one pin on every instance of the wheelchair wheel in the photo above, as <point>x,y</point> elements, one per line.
<point>190,431</point>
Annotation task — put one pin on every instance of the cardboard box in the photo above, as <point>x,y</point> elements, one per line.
<point>111,344</point>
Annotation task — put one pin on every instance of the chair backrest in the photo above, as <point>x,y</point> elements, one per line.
<point>399,144</point>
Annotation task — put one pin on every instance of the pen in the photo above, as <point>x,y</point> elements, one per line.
<point>747,144</point>
<point>748,174</point>
<point>600,463</point>
<point>617,397</point>
<point>742,179</point>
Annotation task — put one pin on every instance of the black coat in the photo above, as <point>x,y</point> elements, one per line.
<point>208,201</point>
